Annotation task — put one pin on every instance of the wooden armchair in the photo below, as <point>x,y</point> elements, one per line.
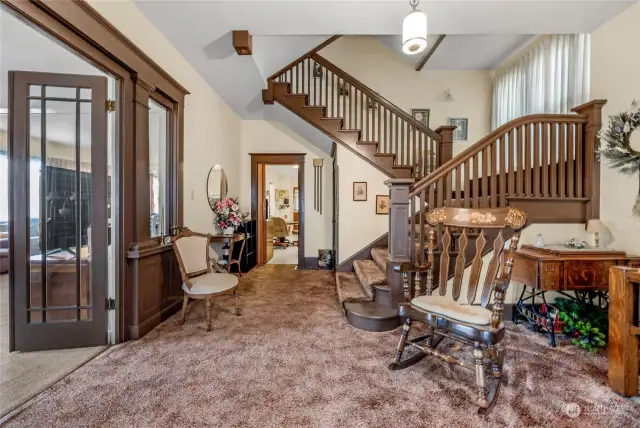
<point>444,316</point>
<point>193,251</point>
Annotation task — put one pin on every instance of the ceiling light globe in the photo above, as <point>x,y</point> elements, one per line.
<point>414,32</point>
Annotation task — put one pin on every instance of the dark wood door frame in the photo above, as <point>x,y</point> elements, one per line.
<point>258,163</point>
<point>144,297</point>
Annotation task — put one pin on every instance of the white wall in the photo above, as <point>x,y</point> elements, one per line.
<point>358,223</point>
<point>259,136</point>
<point>615,61</point>
<point>211,128</point>
<point>383,70</point>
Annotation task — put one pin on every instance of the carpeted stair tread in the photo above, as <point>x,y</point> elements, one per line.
<point>350,289</point>
<point>379,255</point>
<point>369,275</point>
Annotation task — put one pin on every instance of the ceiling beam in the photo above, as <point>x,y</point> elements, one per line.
<point>428,55</point>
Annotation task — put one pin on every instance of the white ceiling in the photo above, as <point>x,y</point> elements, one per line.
<point>378,17</point>
<point>464,51</point>
<point>479,36</point>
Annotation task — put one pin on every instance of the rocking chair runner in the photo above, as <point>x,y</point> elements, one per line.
<point>199,280</point>
<point>474,325</point>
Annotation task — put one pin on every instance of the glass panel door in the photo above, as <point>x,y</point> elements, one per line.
<point>59,192</point>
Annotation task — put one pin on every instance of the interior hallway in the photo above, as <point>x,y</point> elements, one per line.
<point>286,256</point>
<point>291,360</point>
<point>23,375</point>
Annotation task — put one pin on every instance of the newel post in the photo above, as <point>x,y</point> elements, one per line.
<point>591,170</point>
<point>445,151</point>
<point>399,250</point>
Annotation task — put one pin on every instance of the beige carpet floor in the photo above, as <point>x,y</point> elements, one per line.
<point>24,375</point>
<point>291,360</point>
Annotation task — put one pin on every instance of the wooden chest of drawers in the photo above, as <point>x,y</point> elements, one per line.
<point>555,268</point>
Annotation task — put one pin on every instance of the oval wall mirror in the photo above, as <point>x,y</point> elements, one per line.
<point>216,185</point>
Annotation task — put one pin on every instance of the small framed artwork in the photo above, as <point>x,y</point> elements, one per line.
<point>421,115</point>
<point>460,133</point>
<point>360,191</point>
<point>382,204</point>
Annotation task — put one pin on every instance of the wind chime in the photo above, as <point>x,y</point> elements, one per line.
<point>317,185</point>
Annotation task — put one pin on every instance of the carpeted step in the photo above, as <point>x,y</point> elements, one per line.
<point>350,289</point>
<point>379,255</point>
<point>369,275</point>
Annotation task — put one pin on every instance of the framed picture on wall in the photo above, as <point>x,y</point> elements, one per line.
<point>382,204</point>
<point>421,115</point>
<point>360,191</point>
<point>460,133</point>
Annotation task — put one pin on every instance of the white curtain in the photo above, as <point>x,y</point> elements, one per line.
<point>552,77</point>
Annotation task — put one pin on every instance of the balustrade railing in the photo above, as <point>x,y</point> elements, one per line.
<point>342,96</point>
<point>538,158</point>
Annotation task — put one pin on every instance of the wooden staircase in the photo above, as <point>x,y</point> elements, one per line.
<point>546,165</point>
<point>352,114</point>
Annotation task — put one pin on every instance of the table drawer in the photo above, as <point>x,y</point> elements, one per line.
<point>550,276</point>
<point>588,274</point>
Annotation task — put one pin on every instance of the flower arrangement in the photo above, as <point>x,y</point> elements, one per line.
<point>227,214</point>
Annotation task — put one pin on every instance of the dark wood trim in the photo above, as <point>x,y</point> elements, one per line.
<point>84,31</point>
<point>363,254</point>
<point>139,253</point>
<point>306,55</point>
<point>427,56</point>
<point>258,162</point>
<point>88,21</point>
<point>242,42</point>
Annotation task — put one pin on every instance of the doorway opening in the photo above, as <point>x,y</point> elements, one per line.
<point>57,183</point>
<point>277,203</point>
<point>282,214</point>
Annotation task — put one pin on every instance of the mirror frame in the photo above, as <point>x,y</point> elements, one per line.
<point>223,192</point>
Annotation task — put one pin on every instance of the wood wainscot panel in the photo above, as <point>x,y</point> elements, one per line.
<point>157,289</point>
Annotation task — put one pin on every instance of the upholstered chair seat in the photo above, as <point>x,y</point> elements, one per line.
<point>210,283</point>
<point>443,305</point>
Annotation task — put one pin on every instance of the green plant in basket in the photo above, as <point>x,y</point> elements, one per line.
<point>586,325</point>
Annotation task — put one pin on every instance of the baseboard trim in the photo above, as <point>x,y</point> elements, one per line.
<point>138,331</point>
<point>363,254</point>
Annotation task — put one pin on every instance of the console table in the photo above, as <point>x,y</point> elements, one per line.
<point>557,268</point>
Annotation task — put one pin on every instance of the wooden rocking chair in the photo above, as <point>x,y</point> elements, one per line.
<point>444,316</point>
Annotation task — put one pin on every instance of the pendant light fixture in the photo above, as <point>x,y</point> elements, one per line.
<point>414,30</point>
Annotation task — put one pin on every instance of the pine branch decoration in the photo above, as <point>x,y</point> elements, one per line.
<point>618,151</point>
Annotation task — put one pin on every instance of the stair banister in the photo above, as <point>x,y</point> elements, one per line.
<point>593,111</point>
<point>354,115</point>
<point>545,164</point>
<point>374,95</point>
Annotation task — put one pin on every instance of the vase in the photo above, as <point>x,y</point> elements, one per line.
<point>229,231</point>
<point>539,241</point>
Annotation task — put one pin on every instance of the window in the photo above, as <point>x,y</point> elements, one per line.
<point>551,77</point>
<point>158,169</point>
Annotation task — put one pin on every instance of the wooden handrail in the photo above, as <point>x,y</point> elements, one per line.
<point>305,56</point>
<point>478,147</point>
<point>374,95</point>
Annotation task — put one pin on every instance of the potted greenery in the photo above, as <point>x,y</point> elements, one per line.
<point>586,325</point>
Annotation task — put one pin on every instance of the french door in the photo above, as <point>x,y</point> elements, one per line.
<point>58,198</point>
